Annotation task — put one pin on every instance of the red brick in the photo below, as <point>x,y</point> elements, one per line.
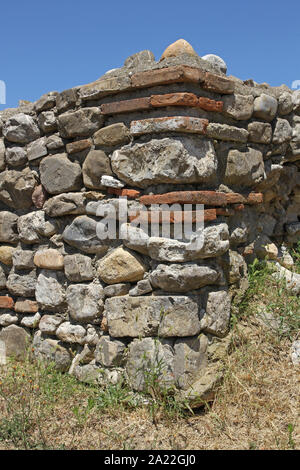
<point>130,193</point>
<point>26,306</point>
<point>126,106</point>
<point>6,302</point>
<point>210,105</point>
<point>252,198</point>
<point>177,74</point>
<point>169,124</point>
<point>174,216</point>
<point>218,84</point>
<point>209,198</point>
<point>255,198</point>
<point>174,99</point>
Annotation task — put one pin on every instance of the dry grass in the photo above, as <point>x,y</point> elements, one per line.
<point>256,407</point>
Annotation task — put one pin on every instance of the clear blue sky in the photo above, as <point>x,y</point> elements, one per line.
<point>55,45</point>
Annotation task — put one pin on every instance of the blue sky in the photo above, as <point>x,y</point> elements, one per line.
<point>56,45</point>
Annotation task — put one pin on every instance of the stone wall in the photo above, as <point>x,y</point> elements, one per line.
<point>178,131</point>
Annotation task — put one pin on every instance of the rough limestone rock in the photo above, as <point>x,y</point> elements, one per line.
<point>51,350</point>
<point>37,149</point>
<point>166,316</point>
<point>23,259</point>
<point>2,279</point>
<point>177,48</point>
<point>49,292</point>
<point>109,352</point>
<point>47,121</point>
<point>115,290</point>
<point>265,107</point>
<point>78,268</point>
<point>6,254</point>
<point>226,133</point>
<point>33,226</point>
<point>8,227</point>
<point>291,279</point>
<point>216,61</point>
<point>120,265</point>
<point>189,359</point>
<point>94,167</point>
<point>215,319</point>
<point>113,135</point>
<point>90,374</point>
<point>49,324</point>
<point>54,142</point>
<point>239,107</point>
<point>81,123</point>
<point>22,285</point>
<point>295,353</point>
<point>14,342</point>
<point>143,287</point>
<point>176,161</point>
<point>15,156</point>
<point>59,174</point>
<point>237,267</point>
<point>260,132</point>
<point>244,168</point>
<point>71,333</point>
<point>7,319</point>
<point>65,204</point>
<point>21,129</point>
<point>183,277</point>
<point>203,390</point>
<point>66,100</point>
<point>31,321</point>
<point>82,234</point>
<point>150,356</point>
<point>282,132</point>
<point>2,154</point>
<point>111,182</point>
<point>26,306</point>
<point>285,104</point>
<point>140,60</point>
<point>47,101</point>
<point>213,241</point>
<point>85,302</point>
<point>49,259</point>
<point>16,188</point>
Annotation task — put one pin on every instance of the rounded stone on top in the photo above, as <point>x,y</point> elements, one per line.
<point>177,48</point>
<point>216,61</point>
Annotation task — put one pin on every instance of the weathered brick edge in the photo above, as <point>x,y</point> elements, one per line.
<point>174,217</point>
<point>209,198</point>
<point>6,302</point>
<point>159,101</point>
<point>150,78</point>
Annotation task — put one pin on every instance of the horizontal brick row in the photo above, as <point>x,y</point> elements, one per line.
<point>159,101</point>
<point>150,78</point>
<point>175,216</point>
<point>208,198</point>
<point>183,74</point>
